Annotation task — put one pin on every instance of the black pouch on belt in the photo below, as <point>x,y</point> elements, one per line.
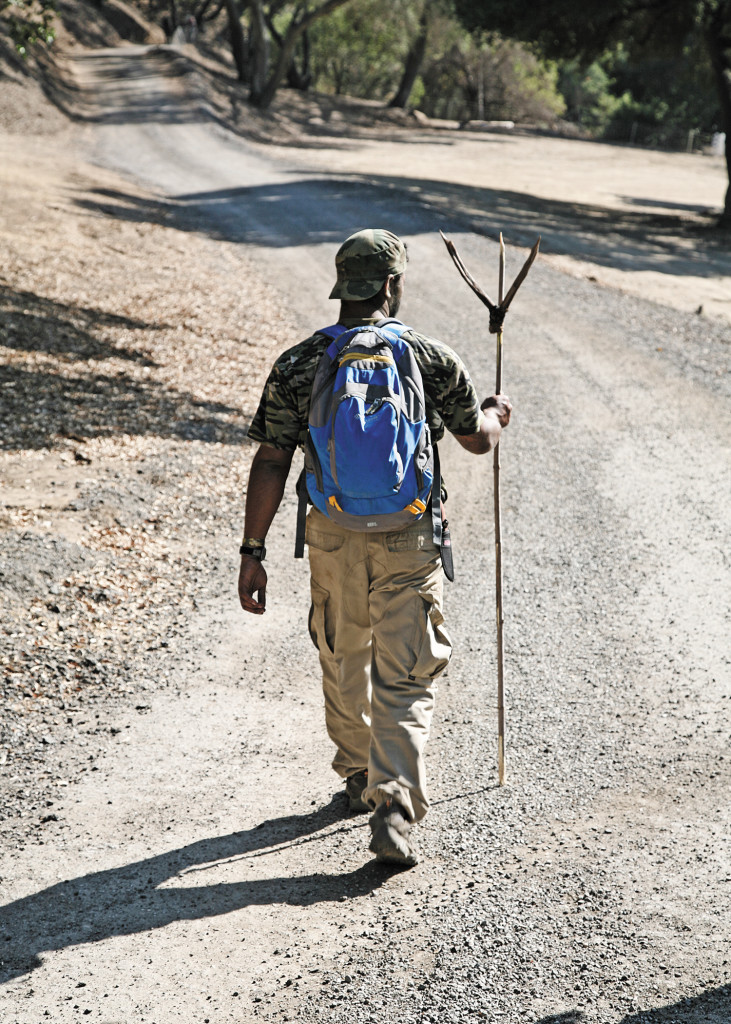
<point>446,550</point>
<point>440,527</point>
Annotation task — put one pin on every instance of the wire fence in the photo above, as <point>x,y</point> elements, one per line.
<point>678,139</point>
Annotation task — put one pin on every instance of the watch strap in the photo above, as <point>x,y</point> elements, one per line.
<point>258,551</point>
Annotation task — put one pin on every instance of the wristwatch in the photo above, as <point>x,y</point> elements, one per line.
<point>255,551</point>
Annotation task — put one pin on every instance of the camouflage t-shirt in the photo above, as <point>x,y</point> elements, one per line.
<point>281,419</point>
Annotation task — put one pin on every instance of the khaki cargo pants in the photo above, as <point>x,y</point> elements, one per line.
<point>376,620</point>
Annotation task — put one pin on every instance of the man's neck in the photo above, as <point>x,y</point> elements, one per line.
<point>362,311</point>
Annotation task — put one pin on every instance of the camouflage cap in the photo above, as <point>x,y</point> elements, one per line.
<point>364,261</point>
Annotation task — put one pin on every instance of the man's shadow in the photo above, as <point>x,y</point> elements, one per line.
<point>710,1007</point>
<point>125,900</point>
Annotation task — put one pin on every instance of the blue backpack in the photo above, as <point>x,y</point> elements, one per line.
<point>369,460</point>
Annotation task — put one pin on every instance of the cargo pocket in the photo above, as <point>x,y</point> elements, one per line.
<point>321,538</point>
<point>317,623</point>
<point>436,647</point>
<point>411,539</point>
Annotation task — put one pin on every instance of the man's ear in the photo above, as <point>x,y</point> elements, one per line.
<point>387,286</point>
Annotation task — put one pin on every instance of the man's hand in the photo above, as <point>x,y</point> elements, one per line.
<point>496,412</point>
<point>252,580</point>
<point>266,486</point>
<point>501,407</point>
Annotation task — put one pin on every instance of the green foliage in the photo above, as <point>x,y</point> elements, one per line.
<point>491,79</point>
<point>677,93</point>
<point>418,92</point>
<point>566,29</point>
<point>629,70</point>
<point>358,51</point>
<point>28,22</point>
<point>654,100</point>
<point>589,96</point>
<point>531,84</point>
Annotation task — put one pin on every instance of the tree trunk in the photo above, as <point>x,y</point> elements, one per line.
<point>414,59</point>
<point>238,43</point>
<point>301,79</point>
<point>200,14</point>
<point>263,96</point>
<point>260,48</point>
<point>296,79</point>
<point>719,48</point>
<point>203,14</point>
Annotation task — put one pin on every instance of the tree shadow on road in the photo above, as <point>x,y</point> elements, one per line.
<point>38,407</point>
<point>711,1007</point>
<point>643,239</point>
<point>135,897</point>
<point>44,399</point>
<point>116,98</point>
<point>154,85</point>
<point>35,323</point>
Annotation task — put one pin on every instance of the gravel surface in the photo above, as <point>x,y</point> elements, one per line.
<point>205,870</point>
<point>119,462</point>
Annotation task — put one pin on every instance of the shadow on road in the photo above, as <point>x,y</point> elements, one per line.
<point>40,401</point>
<point>271,215</point>
<point>133,898</point>
<point>711,1007</point>
<point>128,88</point>
<point>160,85</point>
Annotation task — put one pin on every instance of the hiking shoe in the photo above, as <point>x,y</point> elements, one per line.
<point>354,786</point>
<point>390,839</point>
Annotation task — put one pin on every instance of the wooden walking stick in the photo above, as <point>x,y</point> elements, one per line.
<point>499,539</point>
<point>497,316</point>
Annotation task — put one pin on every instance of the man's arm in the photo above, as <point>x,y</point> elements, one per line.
<point>496,412</point>
<point>267,478</point>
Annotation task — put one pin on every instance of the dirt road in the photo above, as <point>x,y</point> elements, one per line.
<point>208,871</point>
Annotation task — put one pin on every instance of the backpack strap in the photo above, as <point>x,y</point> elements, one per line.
<point>302,502</point>
<point>436,502</point>
<point>332,332</point>
<point>440,530</point>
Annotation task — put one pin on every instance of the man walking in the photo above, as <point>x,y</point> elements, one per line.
<point>376,616</point>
